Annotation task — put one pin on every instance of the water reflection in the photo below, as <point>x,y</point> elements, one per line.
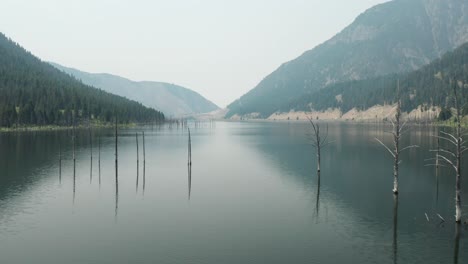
<point>457,243</point>
<point>144,176</point>
<point>189,168</point>
<point>91,169</point>
<point>395,228</point>
<point>361,217</point>
<point>74,180</point>
<point>317,202</point>
<point>437,186</point>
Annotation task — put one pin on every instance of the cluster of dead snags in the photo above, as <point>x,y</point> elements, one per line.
<point>449,157</point>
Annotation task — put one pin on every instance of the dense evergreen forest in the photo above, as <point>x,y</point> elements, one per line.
<point>429,86</point>
<point>33,92</point>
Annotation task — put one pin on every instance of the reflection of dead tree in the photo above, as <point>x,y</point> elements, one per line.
<point>318,141</point>
<point>397,131</point>
<point>317,201</point>
<point>436,164</point>
<point>395,228</point>
<point>457,243</point>
<point>453,156</point>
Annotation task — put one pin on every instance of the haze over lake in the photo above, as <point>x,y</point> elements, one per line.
<point>254,197</point>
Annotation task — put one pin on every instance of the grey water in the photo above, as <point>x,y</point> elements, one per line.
<point>251,196</point>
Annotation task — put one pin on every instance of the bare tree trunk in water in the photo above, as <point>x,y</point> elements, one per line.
<point>99,160</point>
<point>453,157</point>
<point>91,152</point>
<point>116,170</point>
<point>396,142</point>
<point>60,162</point>
<point>396,132</point>
<point>458,208</point>
<point>144,163</point>
<point>138,160</point>
<point>318,141</point>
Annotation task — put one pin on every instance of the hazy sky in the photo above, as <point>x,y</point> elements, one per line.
<point>221,49</point>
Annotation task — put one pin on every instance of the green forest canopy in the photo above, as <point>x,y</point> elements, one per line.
<point>33,92</point>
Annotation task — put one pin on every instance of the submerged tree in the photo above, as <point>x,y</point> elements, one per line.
<point>453,156</point>
<point>396,132</point>
<point>318,140</point>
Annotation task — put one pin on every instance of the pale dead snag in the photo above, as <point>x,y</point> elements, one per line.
<point>396,132</point>
<point>452,156</point>
<point>318,140</point>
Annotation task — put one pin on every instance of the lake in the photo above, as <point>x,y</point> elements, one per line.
<point>254,197</point>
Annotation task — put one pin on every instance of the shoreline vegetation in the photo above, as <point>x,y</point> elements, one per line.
<point>34,128</point>
<point>93,125</point>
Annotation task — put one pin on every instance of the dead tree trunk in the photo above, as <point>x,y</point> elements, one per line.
<point>397,131</point>
<point>116,170</point>
<point>60,162</point>
<point>73,146</point>
<point>99,159</point>
<point>144,162</point>
<point>189,148</point>
<point>396,143</point>
<point>137,160</point>
<point>453,157</point>
<point>317,141</point>
<point>91,152</point>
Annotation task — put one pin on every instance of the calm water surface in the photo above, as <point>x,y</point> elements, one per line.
<point>254,198</point>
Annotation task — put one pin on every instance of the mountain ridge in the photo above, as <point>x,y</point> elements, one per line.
<point>173,100</point>
<point>428,87</point>
<point>393,37</point>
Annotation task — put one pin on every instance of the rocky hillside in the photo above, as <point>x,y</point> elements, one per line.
<point>430,87</point>
<point>394,37</point>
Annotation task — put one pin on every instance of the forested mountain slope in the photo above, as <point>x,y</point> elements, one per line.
<point>429,86</point>
<point>33,92</point>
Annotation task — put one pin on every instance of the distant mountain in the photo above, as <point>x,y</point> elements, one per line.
<point>394,37</point>
<point>429,86</point>
<point>172,100</point>
<point>33,92</point>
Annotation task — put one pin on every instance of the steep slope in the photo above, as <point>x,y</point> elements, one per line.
<point>33,92</point>
<point>171,99</point>
<point>394,37</point>
<point>428,86</point>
